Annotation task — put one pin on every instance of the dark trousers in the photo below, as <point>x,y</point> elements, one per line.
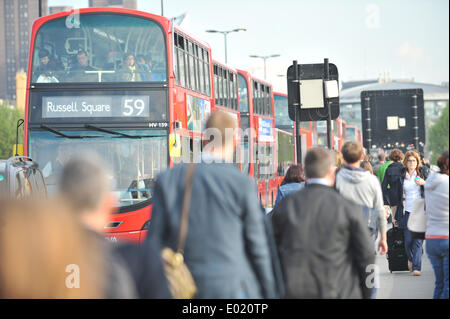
<point>413,247</point>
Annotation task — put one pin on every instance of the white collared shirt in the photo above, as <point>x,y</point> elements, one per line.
<point>320,181</point>
<point>412,191</point>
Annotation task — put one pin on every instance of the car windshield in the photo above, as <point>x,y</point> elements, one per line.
<point>133,163</point>
<point>99,48</point>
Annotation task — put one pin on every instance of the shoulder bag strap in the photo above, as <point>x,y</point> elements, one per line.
<point>185,208</point>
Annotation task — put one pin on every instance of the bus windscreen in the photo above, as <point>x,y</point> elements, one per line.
<point>100,48</point>
<point>134,158</point>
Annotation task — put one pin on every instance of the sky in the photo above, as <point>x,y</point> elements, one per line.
<point>363,38</point>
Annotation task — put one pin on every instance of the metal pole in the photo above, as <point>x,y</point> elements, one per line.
<point>162,8</point>
<point>416,125</point>
<point>225,38</point>
<point>40,8</point>
<point>19,123</point>
<point>326,77</point>
<point>297,115</point>
<point>368,135</point>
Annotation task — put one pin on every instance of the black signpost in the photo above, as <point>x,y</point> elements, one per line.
<point>393,119</point>
<point>319,105</point>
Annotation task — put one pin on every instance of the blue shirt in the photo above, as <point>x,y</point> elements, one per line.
<point>287,189</point>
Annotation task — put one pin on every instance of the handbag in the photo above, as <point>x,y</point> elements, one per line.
<point>179,278</point>
<point>417,222</point>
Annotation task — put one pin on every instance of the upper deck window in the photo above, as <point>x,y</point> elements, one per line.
<point>225,87</point>
<point>262,102</point>
<point>243,93</point>
<point>100,48</point>
<point>191,65</point>
<point>281,111</point>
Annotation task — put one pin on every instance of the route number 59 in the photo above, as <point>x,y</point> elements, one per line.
<point>131,105</point>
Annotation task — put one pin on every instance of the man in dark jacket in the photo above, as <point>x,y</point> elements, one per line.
<point>146,268</point>
<point>84,187</point>
<point>392,185</point>
<point>227,247</point>
<point>322,238</point>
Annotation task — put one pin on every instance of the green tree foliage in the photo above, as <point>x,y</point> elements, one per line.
<point>8,122</point>
<point>438,136</point>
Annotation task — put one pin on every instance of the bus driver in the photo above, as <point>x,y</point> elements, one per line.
<point>77,73</point>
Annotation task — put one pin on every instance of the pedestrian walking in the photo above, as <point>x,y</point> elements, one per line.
<point>363,188</point>
<point>227,247</point>
<point>381,160</point>
<point>84,187</point>
<point>322,238</point>
<point>292,182</point>
<point>45,253</point>
<point>365,165</point>
<point>412,182</point>
<point>437,210</point>
<point>339,160</point>
<point>391,181</point>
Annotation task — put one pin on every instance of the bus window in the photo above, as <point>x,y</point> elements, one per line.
<point>243,93</point>
<point>103,48</point>
<point>281,111</point>
<point>207,73</point>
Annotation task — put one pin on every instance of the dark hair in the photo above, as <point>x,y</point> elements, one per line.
<point>396,155</point>
<point>442,163</point>
<point>294,174</point>
<point>381,157</point>
<point>43,53</point>
<point>352,152</point>
<point>81,51</point>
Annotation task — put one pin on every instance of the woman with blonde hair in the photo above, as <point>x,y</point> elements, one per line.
<point>366,166</point>
<point>46,254</point>
<point>339,160</point>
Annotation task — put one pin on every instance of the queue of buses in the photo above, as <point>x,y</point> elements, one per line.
<point>136,89</point>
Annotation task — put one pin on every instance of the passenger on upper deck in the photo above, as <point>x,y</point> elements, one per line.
<point>146,64</point>
<point>132,71</point>
<point>78,71</point>
<point>45,72</point>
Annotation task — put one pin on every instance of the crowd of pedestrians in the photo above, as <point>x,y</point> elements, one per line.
<point>319,241</point>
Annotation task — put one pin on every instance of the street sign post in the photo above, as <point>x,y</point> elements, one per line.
<point>313,95</point>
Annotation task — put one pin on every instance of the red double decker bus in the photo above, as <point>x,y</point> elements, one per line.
<point>125,84</point>
<point>136,90</point>
<point>258,117</point>
<point>354,134</point>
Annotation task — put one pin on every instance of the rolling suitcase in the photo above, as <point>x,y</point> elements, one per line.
<point>397,259</point>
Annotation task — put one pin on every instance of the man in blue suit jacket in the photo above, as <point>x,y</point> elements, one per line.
<point>227,245</point>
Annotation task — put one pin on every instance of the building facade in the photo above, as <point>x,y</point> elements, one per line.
<point>129,4</point>
<point>16,20</point>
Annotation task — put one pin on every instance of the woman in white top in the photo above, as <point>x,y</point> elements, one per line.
<point>413,182</point>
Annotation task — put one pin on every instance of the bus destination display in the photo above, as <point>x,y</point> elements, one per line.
<point>95,106</point>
